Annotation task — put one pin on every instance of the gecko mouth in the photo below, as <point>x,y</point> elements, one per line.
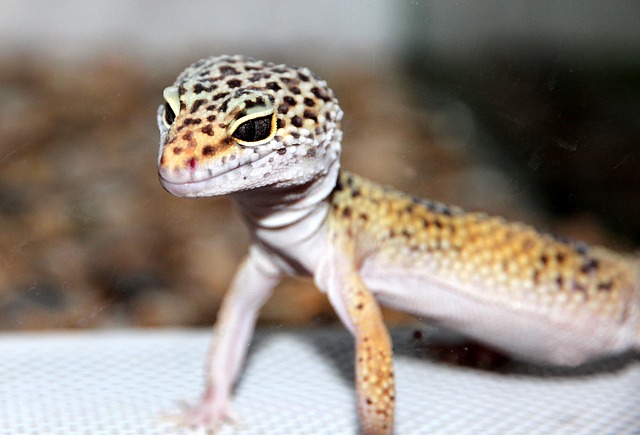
<point>185,188</point>
<point>204,181</point>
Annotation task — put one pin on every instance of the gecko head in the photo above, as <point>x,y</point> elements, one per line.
<point>230,124</point>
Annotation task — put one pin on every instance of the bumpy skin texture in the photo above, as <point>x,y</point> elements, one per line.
<point>532,294</point>
<point>211,95</point>
<point>269,136</point>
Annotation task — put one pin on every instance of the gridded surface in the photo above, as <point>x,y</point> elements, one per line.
<point>295,382</point>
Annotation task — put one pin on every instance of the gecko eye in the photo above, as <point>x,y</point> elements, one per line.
<point>254,120</point>
<point>169,114</point>
<point>254,130</point>
<point>171,105</point>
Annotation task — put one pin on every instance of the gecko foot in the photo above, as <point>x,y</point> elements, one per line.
<point>210,414</point>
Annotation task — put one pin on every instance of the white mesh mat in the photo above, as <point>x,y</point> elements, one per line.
<point>295,382</point>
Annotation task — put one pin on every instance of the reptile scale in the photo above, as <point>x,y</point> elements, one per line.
<point>269,136</point>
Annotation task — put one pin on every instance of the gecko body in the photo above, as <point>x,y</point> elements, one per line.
<point>269,136</point>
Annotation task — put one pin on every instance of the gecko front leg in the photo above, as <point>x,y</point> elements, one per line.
<point>360,312</point>
<point>251,287</point>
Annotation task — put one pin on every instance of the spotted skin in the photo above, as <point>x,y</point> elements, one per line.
<point>212,95</point>
<point>269,136</point>
<point>589,292</point>
<point>489,254</point>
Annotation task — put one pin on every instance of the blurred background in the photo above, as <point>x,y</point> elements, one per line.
<point>528,109</point>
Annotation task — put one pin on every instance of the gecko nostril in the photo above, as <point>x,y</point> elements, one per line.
<point>192,163</point>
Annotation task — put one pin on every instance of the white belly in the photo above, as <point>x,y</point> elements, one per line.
<point>553,337</point>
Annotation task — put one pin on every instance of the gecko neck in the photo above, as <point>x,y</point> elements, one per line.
<point>290,221</point>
